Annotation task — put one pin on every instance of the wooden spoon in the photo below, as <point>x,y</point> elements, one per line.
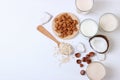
<point>41,29</point>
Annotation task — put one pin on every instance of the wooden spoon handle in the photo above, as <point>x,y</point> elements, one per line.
<point>41,29</point>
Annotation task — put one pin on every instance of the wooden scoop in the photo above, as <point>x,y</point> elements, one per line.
<point>41,29</point>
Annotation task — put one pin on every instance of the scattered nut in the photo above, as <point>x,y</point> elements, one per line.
<point>78,61</point>
<point>88,55</point>
<point>81,65</point>
<point>84,59</point>
<point>89,61</point>
<point>92,54</point>
<point>77,55</point>
<point>82,72</point>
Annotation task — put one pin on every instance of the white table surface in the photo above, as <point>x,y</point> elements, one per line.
<point>25,54</point>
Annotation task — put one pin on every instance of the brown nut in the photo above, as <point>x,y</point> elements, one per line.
<point>88,55</point>
<point>89,61</point>
<point>92,54</point>
<point>81,65</point>
<point>78,61</point>
<point>77,55</point>
<point>84,59</point>
<point>56,19</point>
<point>82,72</point>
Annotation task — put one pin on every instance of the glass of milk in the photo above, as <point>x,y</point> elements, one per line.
<point>108,22</point>
<point>88,28</point>
<point>96,71</point>
<point>84,5</point>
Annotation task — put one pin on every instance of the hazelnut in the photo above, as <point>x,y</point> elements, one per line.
<point>77,55</point>
<point>81,65</point>
<point>84,59</point>
<point>89,61</point>
<point>82,72</point>
<point>92,54</point>
<point>78,61</point>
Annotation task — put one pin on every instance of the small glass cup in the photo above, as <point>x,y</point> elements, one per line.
<point>103,68</point>
<point>108,20</point>
<point>84,6</point>
<point>90,30</point>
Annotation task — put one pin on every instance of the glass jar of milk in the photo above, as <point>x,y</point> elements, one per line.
<point>84,5</point>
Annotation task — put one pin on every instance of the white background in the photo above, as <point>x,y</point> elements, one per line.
<point>25,54</point>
